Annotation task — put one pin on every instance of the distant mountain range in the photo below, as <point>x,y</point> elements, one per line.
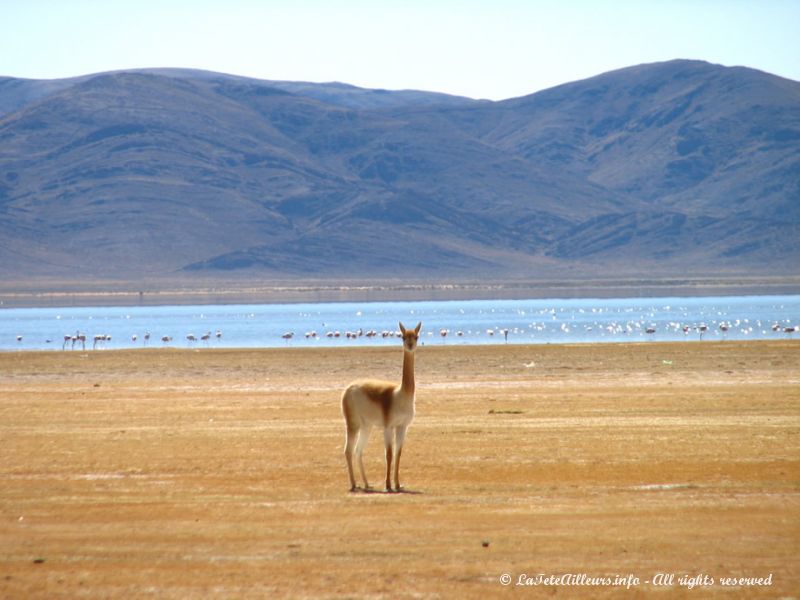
<point>681,167</point>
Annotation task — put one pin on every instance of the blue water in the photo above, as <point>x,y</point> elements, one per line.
<point>465,322</point>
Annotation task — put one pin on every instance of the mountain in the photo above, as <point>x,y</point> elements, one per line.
<point>681,167</point>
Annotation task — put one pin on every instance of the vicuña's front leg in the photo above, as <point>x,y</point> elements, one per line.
<point>400,438</point>
<point>387,442</point>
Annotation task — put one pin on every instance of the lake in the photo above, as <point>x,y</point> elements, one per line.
<point>373,323</point>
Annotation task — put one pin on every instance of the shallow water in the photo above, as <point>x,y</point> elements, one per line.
<point>462,322</point>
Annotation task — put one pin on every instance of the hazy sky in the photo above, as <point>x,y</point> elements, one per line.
<point>479,48</point>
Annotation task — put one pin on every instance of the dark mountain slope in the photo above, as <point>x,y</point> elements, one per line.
<point>144,169</point>
<point>687,125</point>
<point>162,173</point>
<point>705,148</point>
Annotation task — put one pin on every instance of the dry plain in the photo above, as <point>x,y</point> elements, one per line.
<point>219,473</point>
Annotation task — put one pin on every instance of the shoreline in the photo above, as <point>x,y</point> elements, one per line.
<point>471,348</point>
<point>228,293</point>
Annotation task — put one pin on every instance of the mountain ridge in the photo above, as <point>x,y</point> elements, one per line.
<point>169,173</point>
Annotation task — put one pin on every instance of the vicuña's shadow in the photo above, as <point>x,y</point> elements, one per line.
<point>404,491</point>
<point>386,492</point>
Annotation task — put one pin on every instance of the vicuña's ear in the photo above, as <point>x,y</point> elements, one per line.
<point>402,329</point>
<point>419,326</point>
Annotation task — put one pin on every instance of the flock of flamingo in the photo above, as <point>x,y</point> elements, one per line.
<point>98,341</point>
<point>79,340</point>
<point>354,335</point>
<point>702,329</point>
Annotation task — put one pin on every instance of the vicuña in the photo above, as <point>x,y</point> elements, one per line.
<point>368,403</point>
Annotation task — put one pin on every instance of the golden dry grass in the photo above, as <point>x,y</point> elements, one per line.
<point>219,473</point>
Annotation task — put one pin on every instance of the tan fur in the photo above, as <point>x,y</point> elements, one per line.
<point>369,403</point>
<point>380,393</point>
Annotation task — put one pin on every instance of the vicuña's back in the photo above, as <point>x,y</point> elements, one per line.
<point>370,402</point>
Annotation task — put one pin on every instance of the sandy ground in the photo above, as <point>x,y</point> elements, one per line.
<point>213,473</point>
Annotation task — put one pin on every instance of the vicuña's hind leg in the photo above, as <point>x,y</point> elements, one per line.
<point>363,438</point>
<point>349,447</point>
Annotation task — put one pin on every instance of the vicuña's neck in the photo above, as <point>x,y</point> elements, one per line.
<point>408,373</point>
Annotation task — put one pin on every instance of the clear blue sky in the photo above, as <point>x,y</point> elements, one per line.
<point>479,48</point>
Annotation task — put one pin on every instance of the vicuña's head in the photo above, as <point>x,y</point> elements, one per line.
<point>410,337</point>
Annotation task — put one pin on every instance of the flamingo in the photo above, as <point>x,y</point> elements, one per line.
<point>80,337</point>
